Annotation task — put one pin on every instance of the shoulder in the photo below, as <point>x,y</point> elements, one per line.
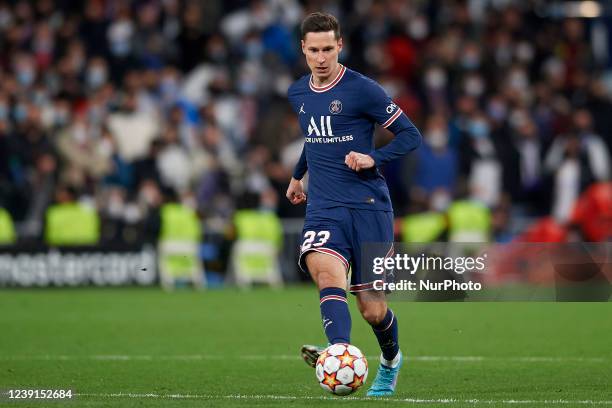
<point>299,86</point>
<point>364,83</point>
<point>366,91</point>
<point>358,78</point>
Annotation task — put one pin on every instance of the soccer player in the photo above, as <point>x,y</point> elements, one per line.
<point>348,199</point>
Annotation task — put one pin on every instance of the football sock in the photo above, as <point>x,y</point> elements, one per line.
<point>335,314</point>
<point>386,333</point>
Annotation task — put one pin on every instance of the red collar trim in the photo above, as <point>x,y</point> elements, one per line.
<point>329,86</point>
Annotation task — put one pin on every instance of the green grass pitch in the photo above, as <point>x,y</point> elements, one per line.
<point>227,348</point>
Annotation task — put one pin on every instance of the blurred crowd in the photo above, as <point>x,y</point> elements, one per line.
<point>125,105</point>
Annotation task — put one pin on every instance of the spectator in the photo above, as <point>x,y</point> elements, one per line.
<point>134,102</point>
<point>437,168</point>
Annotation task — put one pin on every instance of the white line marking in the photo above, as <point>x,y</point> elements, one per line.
<point>204,357</point>
<point>346,399</point>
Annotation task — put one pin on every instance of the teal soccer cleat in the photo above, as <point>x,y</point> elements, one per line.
<point>386,380</point>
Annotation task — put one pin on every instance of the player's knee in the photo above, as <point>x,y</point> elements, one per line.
<point>329,279</point>
<point>373,315</point>
<point>372,312</point>
<point>326,271</point>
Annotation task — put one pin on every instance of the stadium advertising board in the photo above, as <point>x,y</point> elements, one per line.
<point>77,266</point>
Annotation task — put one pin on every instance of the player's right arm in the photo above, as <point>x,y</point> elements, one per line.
<point>295,191</point>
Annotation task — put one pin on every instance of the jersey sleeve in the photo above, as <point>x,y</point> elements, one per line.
<point>378,106</point>
<point>301,166</point>
<point>291,98</point>
<point>381,109</point>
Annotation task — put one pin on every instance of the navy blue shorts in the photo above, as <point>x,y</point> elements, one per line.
<point>341,232</point>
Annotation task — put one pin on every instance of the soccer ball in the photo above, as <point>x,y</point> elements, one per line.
<point>341,369</point>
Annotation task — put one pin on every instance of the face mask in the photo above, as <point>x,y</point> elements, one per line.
<point>391,88</point>
<point>418,28</point>
<point>503,55</point>
<point>20,113</point>
<point>94,132</point>
<point>518,80</point>
<point>247,87</point>
<point>479,129</point>
<point>6,18</point>
<point>120,48</point>
<point>61,117</point>
<point>78,62</point>
<point>524,52</point>
<point>189,201</point>
<point>517,119</point>
<point>497,110</point>
<point>25,76</point>
<point>440,200</point>
<point>470,61</point>
<point>554,67</point>
<point>40,98</point>
<point>149,196</point>
<point>95,114</point>
<point>79,132</point>
<point>115,206</point>
<point>131,213</point>
<point>474,86</point>
<point>435,78</point>
<point>437,138</point>
<point>217,54</point>
<point>253,50</point>
<point>607,83</point>
<point>105,148</point>
<point>96,77</point>
<point>168,87</point>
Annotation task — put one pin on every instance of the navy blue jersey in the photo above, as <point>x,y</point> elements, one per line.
<point>337,119</point>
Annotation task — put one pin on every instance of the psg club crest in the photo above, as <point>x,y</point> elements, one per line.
<point>335,107</point>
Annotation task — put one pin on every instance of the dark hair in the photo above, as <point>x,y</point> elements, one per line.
<point>320,23</point>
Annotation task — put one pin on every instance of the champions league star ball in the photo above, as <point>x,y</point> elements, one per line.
<point>341,369</point>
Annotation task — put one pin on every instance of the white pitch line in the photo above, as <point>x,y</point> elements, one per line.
<point>344,399</point>
<point>204,357</point>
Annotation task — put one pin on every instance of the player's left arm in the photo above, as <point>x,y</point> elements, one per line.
<point>295,192</point>
<point>380,108</point>
<point>407,138</point>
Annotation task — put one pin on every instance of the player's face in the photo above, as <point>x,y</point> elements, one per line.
<point>321,51</point>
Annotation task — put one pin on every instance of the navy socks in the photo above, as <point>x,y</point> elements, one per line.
<point>335,314</point>
<point>386,333</point>
<point>337,323</point>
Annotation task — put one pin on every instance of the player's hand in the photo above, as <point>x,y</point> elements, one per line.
<point>359,161</point>
<point>295,192</point>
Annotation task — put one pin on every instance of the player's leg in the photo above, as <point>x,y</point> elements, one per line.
<point>373,238</point>
<point>325,257</point>
<point>374,310</point>
<point>329,274</point>
<point>375,229</point>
